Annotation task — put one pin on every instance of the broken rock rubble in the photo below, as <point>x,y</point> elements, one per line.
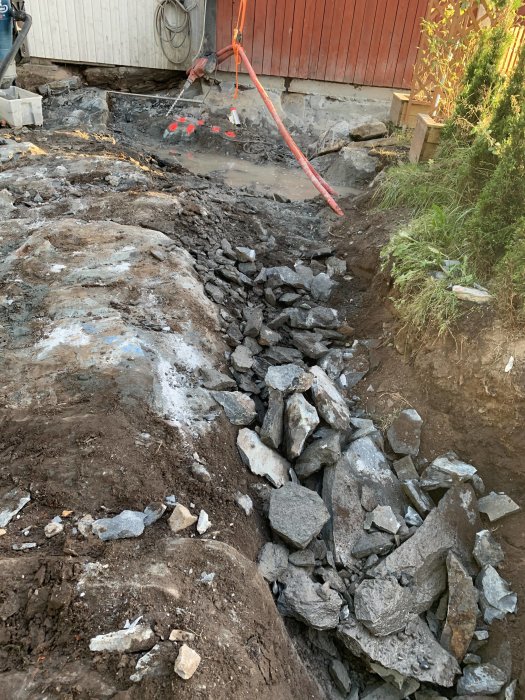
<point>382,555</point>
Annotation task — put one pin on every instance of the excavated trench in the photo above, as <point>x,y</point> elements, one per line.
<point>135,270</point>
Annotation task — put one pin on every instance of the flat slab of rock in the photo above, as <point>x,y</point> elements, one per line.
<point>452,525</point>
<point>217,381</point>
<point>136,638</point>
<point>297,514</point>
<point>446,471</point>
<point>405,469</point>
<point>329,402</point>
<point>373,543</point>
<point>318,317</point>
<point>341,495</point>
<point>239,408</point>
<point>262,460</point>
<point>301,420</point>
<point>307,601</point>
<point>384,518</point>
<point>12,503</point>
<point>462,611</point>
<point>418,655</point>
<point>477,296</point>
<point>404,435</point>
<point>242,359</point>
<point>129,523</point>
<point>497,506</point>
<point>383,605</point>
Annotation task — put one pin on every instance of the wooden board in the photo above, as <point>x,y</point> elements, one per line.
<point>365,42</point>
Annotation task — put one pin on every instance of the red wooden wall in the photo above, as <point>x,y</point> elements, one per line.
<point>364,42</point>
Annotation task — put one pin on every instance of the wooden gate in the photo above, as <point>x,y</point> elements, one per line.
<point>363,42</point>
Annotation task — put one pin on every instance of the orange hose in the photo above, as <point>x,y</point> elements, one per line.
<point>308,168</point>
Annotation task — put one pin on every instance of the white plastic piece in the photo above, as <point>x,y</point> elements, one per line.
<point>20,107</point>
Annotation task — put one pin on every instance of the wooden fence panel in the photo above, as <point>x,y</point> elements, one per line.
<point>365,42</point>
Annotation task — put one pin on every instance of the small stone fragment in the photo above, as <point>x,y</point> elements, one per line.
<point>405,469</point>
<point>262,460</point>
<point>373,543</point>
<point>303,557</point>
<point>244,502</point>
<point>486,679</point>
<point>301,420</point>
<point>404,435</point>
<point>217,381</point>
<point>497,505</point>
<point>239,408</point>
<point>23,547</point>
<point>85,525</point>
<point>200,472</point>
<point>181,636</point>
<point>135,638</point>
<point>242,359</point>
<point>322,287</point>
<point>384,518</point>
<point>187,662</point>
<point>267,337</point>
<point>297,514</point>
<point>329,402</point>
<point>419,499</point>
<point>369,130</point>
<point>496,599</point>
<point>244,255</point>
<point>12,503</point>
<point>412,517</point>
<point>310,344</point>
<point>129,523</point>
<point>272,561</point>
<point>181,518</point>
<point>272,428</point>
<point>153,512</point>
<point>323,452</point>
<point>487,551</point>
<point>318,317</point>
<point>478,296</point>
<point>203,523</point>
<point>340,676</point>
<point>287,378</point>
<point>53,529</point>
<point>446,471</point>
<point>254,321</point>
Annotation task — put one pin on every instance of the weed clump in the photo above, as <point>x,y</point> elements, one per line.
<point>467,206</point>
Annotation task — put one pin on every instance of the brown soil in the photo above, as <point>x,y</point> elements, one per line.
<point>469,405</point>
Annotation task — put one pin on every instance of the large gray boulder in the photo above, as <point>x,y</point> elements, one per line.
<point>485,679</point>
<point>452,525</point>
<point>316,605</point>
<point>416,655</point>
<point>301,420</point>
<point>297,514</point>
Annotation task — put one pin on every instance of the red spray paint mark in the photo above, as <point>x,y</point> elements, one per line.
<point>172,127</point>
<point>181,120</point>
<point>216,129</point>
<point>200,122</point>
<point>190,129</point>
<point>230,134</point>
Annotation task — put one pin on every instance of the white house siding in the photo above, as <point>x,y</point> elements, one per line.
<point>115,32</point>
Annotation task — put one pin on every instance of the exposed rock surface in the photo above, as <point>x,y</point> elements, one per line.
<point>136,638</point>
<point>329,402</point>
<point>404,435</point>
<point>239,408</point>
<point>301,420</point>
